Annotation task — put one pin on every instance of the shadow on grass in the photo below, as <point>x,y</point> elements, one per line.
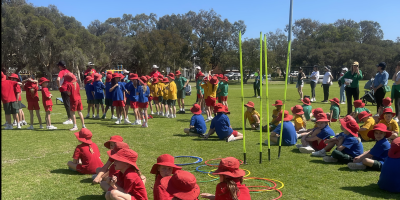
<point>183,120</point>
<point>371,190</point>
<point>325,163</point>
<point>122,126</point>
<point>87,180</point>
<point>65,171</point>
<point>90,197</point>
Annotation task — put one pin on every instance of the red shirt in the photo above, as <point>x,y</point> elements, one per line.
<point>46,97</point>
<point>75,95</point>
<point>29,97</point>
<point>8,89</point>
<point>134,185</point>
<point>90,70</point>
<point>197,75</point>
<point>90,162</point>
<point>222,192</point>
<point>159,193</point>
<point>154,73</point>
<point>62,82</point>
<point>18,91</point>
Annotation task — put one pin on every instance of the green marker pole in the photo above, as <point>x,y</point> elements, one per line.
<point>241,86</point>
<point>266,94</point>
<point>287,72</point>
<point>261,101</point>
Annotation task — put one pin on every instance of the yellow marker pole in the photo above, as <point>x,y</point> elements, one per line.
<point>241,85</point>
<point>266,94</point>
<point>261,101</point>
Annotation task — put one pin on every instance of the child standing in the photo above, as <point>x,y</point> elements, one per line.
<point>87,153</point>
<point>144,92</point>
<point>390,174</point>
<point>75,99</point>
<point>359,107</point>
<point>387,119</point>
<point>368,125</point>
<point>118,97</point>
<point>98,88</point>
<point>133,96</point>
<point>181,83</point>
<point>223,91</point>
<point>89,95</point>
<point>172,95</point>
<point>374,158</point>
<point>334,114</point>
<point>210,92</point>
<point>153,84</point>
<point>18,95</point>
<point>108,100</point>
<point>31,88</point>
<point>151,97</point>
<point>47,103</point>
<point>299,119</point>
<point>10,102</point>
<point>231,179</point>
<point>289,136</point>
<point>182,186</point>
<point>163,168</point>
<point>312,143</point>
<point>197,124</point>
<point>307,108</point>
<point>165,96</point>
<point>200,91</point>
<point>252,115</point>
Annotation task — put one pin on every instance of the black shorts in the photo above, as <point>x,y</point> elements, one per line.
<point>99,101</point>
<point>128,102</point>
<point>109,102</point>
<point>11,108</point>
<point>165,102</point>
<point>160,99</point>
<point>181,94</point>
<point>171,102</point>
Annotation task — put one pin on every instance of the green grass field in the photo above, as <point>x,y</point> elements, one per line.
<point>34,162</point>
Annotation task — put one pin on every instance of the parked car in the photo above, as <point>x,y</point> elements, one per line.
<point>236,76</point>
<point>294,73</point>
<point>252,75</point>
<point>229,74</point>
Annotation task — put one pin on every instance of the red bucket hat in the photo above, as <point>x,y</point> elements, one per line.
<point>358,104</point>
<point>115,75</point>
<point>226,110</point>
<point>214,80</point>
<point>109,72</point>
<point>230,167</point>
<point>350,125</point>
<point>181,185</point>
<point>321,117</point>
<point>13,76</point>
<point>108,78</point>
<point>177,73</point>
<point>335,100</point>
<point>219,107</point>
<point>97,77</point>
<point>387,110</point>
<point>133,76</point>
<point>387,101</point>
<point>165,80</point>
<point>87,79</point>
<point>118,146</point>
<point>69,77</point>
<point>115,138</point>
<point>128,156</point>
<point>278,103</point>
<point>205,79</point>
<point>155,80</point>
<point>379,127</point>
<point>298,110</point>
<point>224,78</point>
<point>84,135</point>
<point>306,101</point>
<point>160,76</point>
<point>249,104</point>
<point>143,80</point>
<point>394,151</point>
<point>165,160</point>
<point>287,117</point>
<point>363,115</point>
<point>171,76</point>
<point>316,111</point>
<point>42,80</point>
<point>200,74</point>
<point>148,77</point>
<point>196,109</point>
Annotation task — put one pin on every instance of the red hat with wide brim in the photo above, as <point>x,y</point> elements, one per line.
<point>128,156</point>
<point>177,73</point>
<point>143,80</point>
<point>181,185</point>
<point>148,77</point>
<point>133,76</point>
<point>97,77</point>
<point>155,80</point>
<point>69,77</point>
<point>230,167</point>
<point>379,127</point>
<point>196,109</point>
<point>358,104</point>
<point>278,103</point>
<point>200,74</point>
<point>171,76</point>
<point>118,146</point>
<point>249,104</point>
<point>387,101</point>
<point>165,80</point>
<point>109,72</point>
<point>387,110</point>
<point>160,76</point>
<point>394,151</point>
<point>363,115</point>
<point>42,80</point>
<point>350,124</point>
<point>219,107</point>
<point>13,76</point>
<point>115,138</point>
<point>226,111</point>
<point>321,117</point>
<point>84,135</point>
<point>306,101</point>
<point>316,111</point>
<point>165,160</point>
<point>287,117</point>
<point>298,110</point>
<point>115,75</point>
<point>335,100</point>
<point>214,80</point>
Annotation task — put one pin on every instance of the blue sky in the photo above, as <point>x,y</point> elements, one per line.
<point>265,16</point>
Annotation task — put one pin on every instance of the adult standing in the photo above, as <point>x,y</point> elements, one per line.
<point>300,83</point>
<point>380,81</point>
<point>155,72</point>
<point>181,83</point>
<point>256,84</point>
<point>62,87</point>
<point>126,75</point>
<point>89,70</point>
<point>326,83</point>
<point>396,90</point>
<point>342,86</point>
<point>198,74</point>
<point>313,83</point>
<point>351,79</point>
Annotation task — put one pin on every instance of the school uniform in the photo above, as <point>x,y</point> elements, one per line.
<point>275,114</point>
<point>159,193</point>
<point>199,124</point>
<point>369,125</point>
<point>379,153</point>
<point>335,114</point>
<point>221,124</point>
<point>210,94</point>
<point>307,110</point>
<point>289,136</point>
<point>223,91</point>
<point>353,148</point>
<point>165,94</point>
<point>160,92</point>
<point>133,184</point>
<point>222,192</point>
<point>249,116</point>
<point>118,95</point>
<point>98,88</point>
<point>133,96</point>
<point>180,82</point>
<point>90,162</point>
<point>151,88</point>
<point>153,91</point>
<point>200,90</point>
<point>298,122</point>
<point>8,97</point>
<point>75,97</point>
<point>47,103</point>
<point>392,125</point>
<point>389,179</point>
<point>359,110</point>
<point>108,100</point>
<point>18,91</point>
<point>172,94</point>
<point>89,95</point>
<point>143,101</point>
<point>33,101</point>
<point>326,133</point>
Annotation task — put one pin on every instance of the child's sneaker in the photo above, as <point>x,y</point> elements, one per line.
<point>230,138</point>
<point>173,116</point>
<point>15,123</point>
<point>25,123</point>
<point>97,117</point>
<point>19,126</point>
<point>118,121</point>
<point>126,121</point>
<point>68,122</point>
<point>356,166</point>
<point>306,149</point>
<point>113,117</point>
<point>74,129</point>
<point>343,102</point>
<point>319,154</point>
<point>30,127</point>
<point>330,159</point>
<point>41,127</point>
<point>83,126</point>
<point>8,127</point>
<point>152,112</point>
<point>87,116</point>
<point>103,117</point>
<point>51,127</point>
<point>93,116</point>
<point>299,145</point>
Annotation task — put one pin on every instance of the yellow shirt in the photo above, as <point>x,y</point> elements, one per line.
<point>392,125</point>
<point>275,114</point>
<point>369,125</point>
<point>298,122</point>
<point>249,115</point>
<point>172,91</point>
<point>165,91</point>
<point>209,91</point>
<point>151,86</point>
<point>159,89</point>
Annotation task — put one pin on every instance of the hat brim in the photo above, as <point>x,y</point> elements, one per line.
<point>195,112</point>
<point>371,133</point>
<point>154,169</point>
<point>235,174</point>
<point>343,123</point>
<point>107,144</point>
<point>277,104</point>
<point>176,192</point>
<point>248,105</point>
<point>331,100</point>
<point>307,103</point>
<point>298,113</point>
<point>122,159</point>
<point>369,115</point>
<point>287,118</point>
<point>322,120</point>
<point>82,139</point>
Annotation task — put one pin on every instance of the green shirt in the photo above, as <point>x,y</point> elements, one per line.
<point>223,89</point>
<point>336,111</point>
<point>355,77</point>
<point>180,82</point>
<point>103,79</point>
<point>359,110</point>
<point>199,89</point>
<point>307,110</point>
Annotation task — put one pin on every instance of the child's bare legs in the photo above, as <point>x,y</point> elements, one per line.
<point>208,111</point>
<point>212,111</point>
<point>151,106</point>
<point>368,162</point>
<point>21,115</point>
<point>165,107</point>
<point>102,108</point>
<point>8,119</point>
<point>82,119</point>
<point>30,117</point>
<point>104,185</point>
<point>73,118</point>
<point>304,142</point>
<point>174,110</point>
<point>118,195</point>
<point>225,103</point>
<point>71,164</point>
<point>97,108</point>
<point>239,136</point>
<point>48,121</point>
<point>145,115</point>
<point>137,114</point>
<point>123,112</point>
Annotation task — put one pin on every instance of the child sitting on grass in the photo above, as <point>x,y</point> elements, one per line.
<point>252,115</point>
<point>317,141</point>
<point>389,179</point>
<point>32,97</point>
<point>307,108</point>
<point>182,186</point>
<point>368,125</point>
<point>47,103</point>
<point>222,126</point>
<point>387,119</point>
<point>375,157</point>
<point>289,136</point>
<point>231,179</point>
<point>299,119</point>
<point>359,107</point>
<point>313,131</point>
<point>86,158</point>
<point>164,167</point>
<point>387,103</point>
<point>73,90</point>
<point>89,95</point>
<point>278,108</point>
<point>197,124</point>
<point>333,116</point>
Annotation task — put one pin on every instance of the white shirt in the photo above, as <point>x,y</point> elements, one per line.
<point>327,78</point>
<point>397,77</point>
<point>315,74</point>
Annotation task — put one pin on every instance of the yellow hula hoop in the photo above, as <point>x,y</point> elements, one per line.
<point>279,182</point>
<point>209,174</point>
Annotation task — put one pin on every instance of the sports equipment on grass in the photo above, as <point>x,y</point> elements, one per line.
<point>198,160</point>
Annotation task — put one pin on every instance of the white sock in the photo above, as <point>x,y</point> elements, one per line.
<point>83,126</point>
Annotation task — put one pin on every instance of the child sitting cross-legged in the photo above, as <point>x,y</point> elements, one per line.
<point>334,114</point>
<point>386,103</point>
<point>313,131</point>
<point>375,157</point>
<point>164,167</point>
<point>389,179</point>
<point>307,108</point>
<point>252,115</point>
<point>299,119</point>
<point>197,124</point>
<point>289,136</point>
<point>387,119</point>
<point>359,107</point>
<point>368,125</point>
<point>274,122</point>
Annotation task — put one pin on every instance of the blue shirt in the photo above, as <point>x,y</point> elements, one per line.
<point>222,125</point>
<point>380,150</point>
<point>199,124</point>
<point>289,136</point>
<point>89,89</point>
<point>132,90</point>
<point>390,175</point>
<point>143,96</point>
<point>326,133</point>
<point>354,147</point>
<point>108,93</point>
<point>98,89</point>
<point>381,78</point>
<point>117,93</point>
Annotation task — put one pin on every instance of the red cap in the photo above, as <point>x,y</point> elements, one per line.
<point>278,103</point>
<point>177,73</point>
<point>84,135</point>
<point>249,104</point>
<point>306,101</point>
<point>394,151</point>
<point>363,115</point>
<point>165,160</point>
<point>350,124</point>
<point>287,117</point>
<point>115,138</point>
<point>181,185</point>
<point>230,167</point>
<point>387,110</point>
<point>321,117</point>
<point>128,156</point>
<point>13,75</point>
<point>298,110</point>
<point>171,76</point>
<point>335,100</point>
<point>379,127</point>
<point>358,104</point>
<point>196,109</point>
<point>387,102</point>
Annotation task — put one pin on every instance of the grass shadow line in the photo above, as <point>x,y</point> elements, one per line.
<point>371,190</point>
<point>65,171</point>
<point>90,197</point>
<point>86,180</point>
<point>325,163</point>
<point>183,120</point>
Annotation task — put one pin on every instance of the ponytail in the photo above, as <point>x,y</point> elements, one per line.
<point>232,187</point>
<point>144,86</point>
<point>304,119</point>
